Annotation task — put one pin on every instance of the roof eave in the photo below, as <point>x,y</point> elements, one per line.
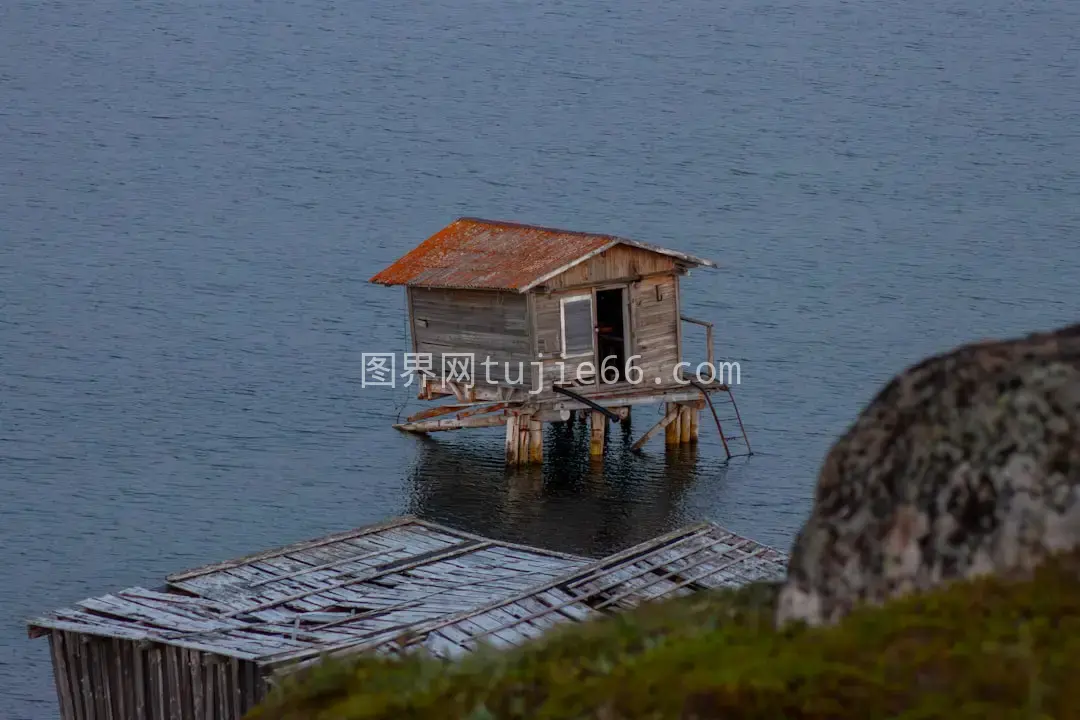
<point>685,257</point>
<point>681,256</point>
<point>573,263</point>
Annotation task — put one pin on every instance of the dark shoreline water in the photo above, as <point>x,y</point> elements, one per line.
<point>192,196</point>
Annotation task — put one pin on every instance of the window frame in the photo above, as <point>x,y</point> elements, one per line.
<point>562,326</point>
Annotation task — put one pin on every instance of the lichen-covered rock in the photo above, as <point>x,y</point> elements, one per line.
<point>965,464</point>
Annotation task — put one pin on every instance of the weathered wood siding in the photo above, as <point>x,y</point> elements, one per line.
<point>489,324</point>
<point>548,314</point>
<point>100,678</point>
<point>654,331</point>
<point>620,263</point>
<point>655,322</point>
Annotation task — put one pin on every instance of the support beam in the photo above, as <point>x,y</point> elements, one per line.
<point>695,415</point>
<point>523,440</point>
<point>479,393</point>
<point>426,426</point>
<point>512,440</point>
<point>436,411</point>
<point>672,433</point>
<point>460,392</point>
<point>682,394</point>
<point>598,424</point>
<point>684,424</point>
<point>481,409</point>
<point>536,441</point>
<point>479,421</point>
<point>665,422</point>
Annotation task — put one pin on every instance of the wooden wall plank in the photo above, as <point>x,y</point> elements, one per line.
<point>656,327</point>
<point>617,263</point>
<point>485,323</point>
<point>236,689</point>
<point>138,663</point>
<point>157,674</point>
<point>121,677</point>
<point>72,643</point>
<point>194,668</point>
<point>103,670</point>
<point>60,675</point>
<point>223,690</point>
<point>253,685</point>
<point>172,681</point>
<point>209,700</point>
<point>86,681</point>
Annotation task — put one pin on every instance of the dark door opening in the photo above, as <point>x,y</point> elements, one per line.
<point>610,335</point>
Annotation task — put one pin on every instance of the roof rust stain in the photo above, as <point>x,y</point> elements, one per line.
<point>497,255</point>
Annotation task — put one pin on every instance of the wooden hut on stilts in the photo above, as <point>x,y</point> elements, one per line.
<point>519,325</point>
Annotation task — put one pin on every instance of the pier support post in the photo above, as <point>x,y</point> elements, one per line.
<point>695,414</point>
<point>512,440</point>
<point>536,441</point>
<point>523,439</point>
<point>673,433</point>
<point>684,424</point>
<point>597,425</point>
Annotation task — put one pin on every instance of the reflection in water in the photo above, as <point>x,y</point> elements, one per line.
<point>571,503</point>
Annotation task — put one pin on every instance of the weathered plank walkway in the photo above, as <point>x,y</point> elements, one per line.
<point>208,645</point>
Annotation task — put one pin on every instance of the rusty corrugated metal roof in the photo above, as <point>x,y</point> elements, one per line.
<point>496,255</point>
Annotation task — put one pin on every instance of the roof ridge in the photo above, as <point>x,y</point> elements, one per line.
<point>545,228</point>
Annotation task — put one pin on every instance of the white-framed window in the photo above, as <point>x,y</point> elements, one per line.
<point>577,325</point>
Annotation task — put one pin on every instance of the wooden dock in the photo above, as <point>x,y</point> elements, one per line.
<point>211,642</point>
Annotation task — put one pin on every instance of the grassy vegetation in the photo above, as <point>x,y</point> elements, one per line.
<point>979,650</point>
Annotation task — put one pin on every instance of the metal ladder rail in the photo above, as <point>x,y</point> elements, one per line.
<point>738,418</point>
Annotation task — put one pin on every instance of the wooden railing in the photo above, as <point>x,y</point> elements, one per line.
<point>708,337</point>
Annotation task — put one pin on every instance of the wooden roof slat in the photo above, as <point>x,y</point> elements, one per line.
<point>462,548</point>
<point>296,547</point>
<point>326,566</point>
<point>440,645</point>
<point>647,571</point>
<point>120,608</point>
<point>654,571</point>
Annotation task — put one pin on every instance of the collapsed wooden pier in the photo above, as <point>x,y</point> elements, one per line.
<point>562,323</point>
<point>210,643</point>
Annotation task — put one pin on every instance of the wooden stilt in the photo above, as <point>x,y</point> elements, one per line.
<point>695,414</point>
<point>598,423</point>
<point>523,440</point>
<point>684,425</point>
<point>536,441</point>
<point>672,432</point>
<point>512,440</point>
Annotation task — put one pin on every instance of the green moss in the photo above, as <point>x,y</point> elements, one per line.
<point>984,649</point>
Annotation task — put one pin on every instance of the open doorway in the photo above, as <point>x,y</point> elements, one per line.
<point>611,334</point>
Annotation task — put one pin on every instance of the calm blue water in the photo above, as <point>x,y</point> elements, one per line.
<point>193,194</point>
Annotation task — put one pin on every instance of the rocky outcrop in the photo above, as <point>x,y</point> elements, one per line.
<point>965,464</point>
